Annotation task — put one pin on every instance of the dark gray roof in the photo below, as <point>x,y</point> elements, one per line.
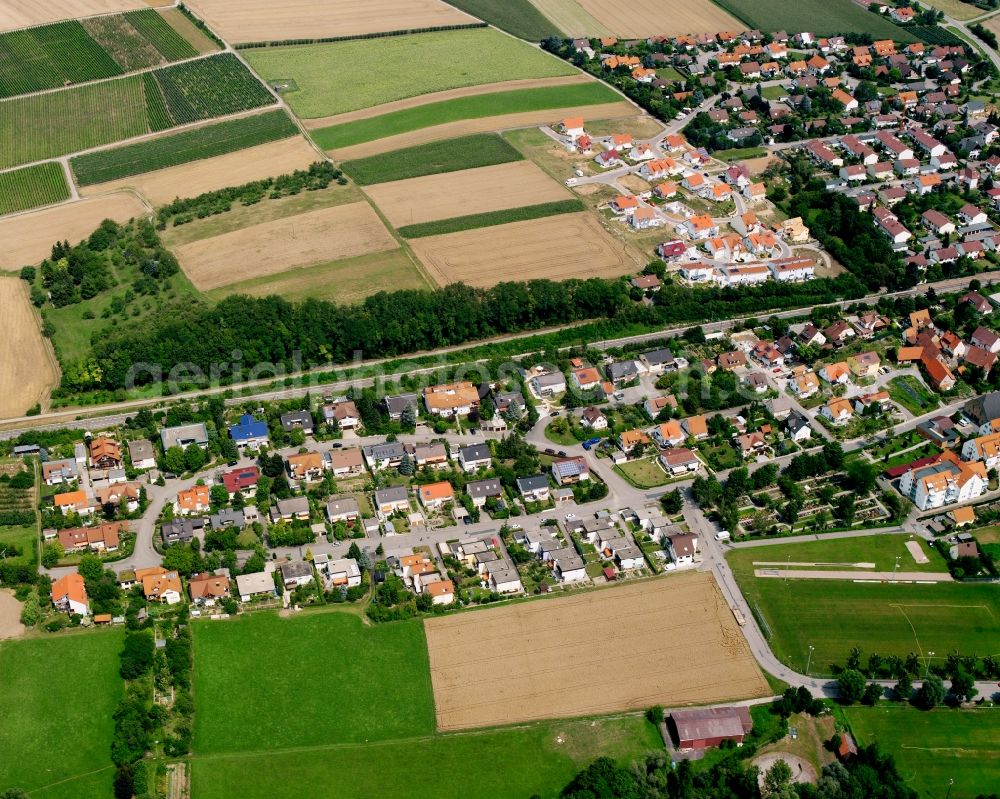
<point>227,518</point>
<point>622,369</point>
<point>180,530</point>
<point>658,357</point>
<point>389,450</point>
<point>533,483</point>
<point>475,452</point>
<point>303,419</point>
<point>294,569</point>
<point>484,488</point>
<point>398,403</point>
<point>391,494</point>
<point>985,408</point>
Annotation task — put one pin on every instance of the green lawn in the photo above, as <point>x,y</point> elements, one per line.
<point>823,17</point>
<point>265,683</point>
<point>450,155</point>
<point>345,76</point>
<point>932,748</point>
<point>880,549</point>
<point>835,616</point>
<point>913,395</point>
<point>774,92</point>
<point>474,107</point>
<point>740,153</point>
<point>511,763</point>
<point>643,473</point>
<point>55,714</point>
<point>24,538</point>
<point>519,17</point>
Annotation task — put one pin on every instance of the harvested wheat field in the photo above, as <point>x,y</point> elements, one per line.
<point>269,21</point>
<point>662,17</point>
<point>552,248</point>
<point>471,191</point>
<point>670,641</point>
<point>570,18</point>
<point>27,364</point>
<point>447,94</point>
<point>24,13</point>
<point>466,127</point>
<point>28,238</point>
<point>327,234</point>
<point>210,174</point>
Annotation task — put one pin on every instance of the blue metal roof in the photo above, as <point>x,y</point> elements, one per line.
<point>248,428</point>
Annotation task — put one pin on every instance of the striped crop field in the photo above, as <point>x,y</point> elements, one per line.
<point>31,187</point>
<point>182,148</point>
<point>54,56</point>
<point>49,125</point>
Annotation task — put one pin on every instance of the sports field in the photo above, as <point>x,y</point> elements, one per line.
<point>266,21</point>
<point>471,191</point>
<point>210,174</point>
<point>28,367</point>
<point>885,618</point>
<point>28,238</point>
<point>822,17</point>
<point>594,652</point>
<point>663,17</point>
<point>376,71</point>
<point>32,187</point>
<point>475,107</point>
<point>24,13</point>
<point>932,748</point>
<point>551,248</point>
<point>510,763</point>
<point>344,281</point>
<point>58,695</point>
<point>263,683</point>
<point>271,248</point>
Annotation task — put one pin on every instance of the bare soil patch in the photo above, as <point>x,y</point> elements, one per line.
<point>641,126</point>
<point>28,238</point>
<point>466,127</point>
<point>449,94</point>
<point>27,364</point>
<point>472,191</point>
<point>23,13</point>
<point>10,616</point>
<point>553,248</point>
<point>268,21</point>
<point>211,174</point>
<point>802,770</point>
<point>634,184</point>
<point>670,641</point>
<point>662,17</point>
<point>274,247</point>
<point>757,165</point>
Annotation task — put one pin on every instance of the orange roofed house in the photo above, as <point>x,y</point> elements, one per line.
<point>434,495</point>
<point>196,499</point>
<point>69,594</point>
<point>160,585</point>
<point>105,454</point>
<point>206,588</point>
<point>451,399</point>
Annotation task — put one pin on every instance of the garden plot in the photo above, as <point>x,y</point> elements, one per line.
<point>233,169</point>
<point>271,248</point>
<point>267,21</point>
<point>27,364</point>
<point>668,641</point>
<point>553,248</point>
<point>28,238</point>
<point>472,191</point>
<point>25,13</point>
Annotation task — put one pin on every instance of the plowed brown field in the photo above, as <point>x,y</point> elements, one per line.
<point>453,130</point>
<point>471,191</point>
<point>210,174</point>
<point>553,248</point>
<point>27,364</point>
<point>28,238</point>
<point>327,234</point>
<point>670,641</point>
<point>24,13</point>
<point>269,21</point>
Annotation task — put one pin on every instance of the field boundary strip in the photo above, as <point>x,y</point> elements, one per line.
<point>356,36</point>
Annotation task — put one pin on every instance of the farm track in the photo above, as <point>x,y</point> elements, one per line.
<point>449,94</point>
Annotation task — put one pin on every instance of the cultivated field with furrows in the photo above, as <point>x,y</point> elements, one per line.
<point>28,238</point>
<point>27,364</point>
<point>643,18</point>
<point>671,641</point>
<point>233,169</point>
<point>472,191</point>
<point>483,125</point>
<point>24,13</point>
<point>265,20</point>
<point>553,248</point>
<point>273,247</point>
<point>448,94</point>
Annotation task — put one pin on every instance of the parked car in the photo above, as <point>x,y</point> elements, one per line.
<point>591,441</point>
